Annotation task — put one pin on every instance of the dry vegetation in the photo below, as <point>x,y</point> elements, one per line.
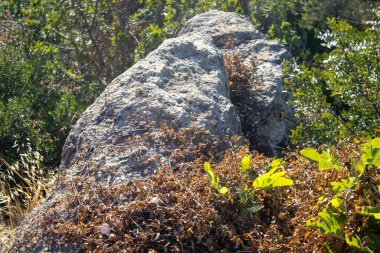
<point>179,211</point>
<point>22,187</point>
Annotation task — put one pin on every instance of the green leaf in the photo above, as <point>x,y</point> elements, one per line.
<point>341,186</point>
<point>325,160</point>
<point>360,167</point>
<point>311,155</point>
<point>282,181</point>
<point>214,180</point>
<point>337,203</point>
<point>272,179</point>
<point>371,211</point>
<point>278,163</point>
<point>223,190</point>
<point>353,242</point>
<point>245,164</point>
<point>209,173</point>
<point>375,143</point>
<point>371,152</point>
<point>329,223</point>
<point>312,223</point>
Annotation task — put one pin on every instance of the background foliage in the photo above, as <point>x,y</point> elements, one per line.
<point>338,96</point>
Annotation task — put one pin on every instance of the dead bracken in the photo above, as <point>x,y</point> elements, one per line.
<point>179,211</point>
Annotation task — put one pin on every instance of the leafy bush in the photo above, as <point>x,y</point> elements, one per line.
<point>339,97</point>
<point>352,212</point>
<point>34,122</point>
<point>31,113</point>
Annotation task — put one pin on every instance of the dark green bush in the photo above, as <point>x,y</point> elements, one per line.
<point>31,113</point>
<point>338,98</point>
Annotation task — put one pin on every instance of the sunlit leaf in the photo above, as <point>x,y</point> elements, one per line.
<point>325,160</point>
<point>223,190</point>
<point>277,163</point>
<point>344,184</point>
<point>209,173</point>
<point>311,155</point>
<point>282,181</point>
<point>272,179</point>
<point>214,180</point>
<point>329,223</point>
<point>371,211</point>
<point>354,242</point>
<point>371,152</point>
<point>336,202</point>
<point>245,164</point>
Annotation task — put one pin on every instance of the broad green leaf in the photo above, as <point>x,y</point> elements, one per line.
<point>325,160</point>
<point>214,180</point>
<point>223,190</point>
<point>272,179</point>
<point>375,144</point>
<point>344,184</point>
<point>245,164</point>
<point>312,223</point>
<point>278,163</point>
<point>360,167</point>
<point>282,181</point>
<point>337,203</point>
<point>326,155</point>
<point>371,152</point>
<point>371,211</point>
<point>321,199</point>
<point>329,224</point>
<point>311,155</point>
<point>278,174</point>
<point>262,182</point>
<point>353,242</point>
<point>328,162</point>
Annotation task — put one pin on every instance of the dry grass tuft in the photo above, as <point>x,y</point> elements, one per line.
<point>22,186</point>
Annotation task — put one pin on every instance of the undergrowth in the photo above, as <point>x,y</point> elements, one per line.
<point>183,212</point>
<point>22,185</point>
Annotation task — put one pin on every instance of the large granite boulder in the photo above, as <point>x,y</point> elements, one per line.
<point>183,84</point>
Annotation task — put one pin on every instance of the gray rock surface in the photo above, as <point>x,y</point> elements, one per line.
<point>182,84</point>
<point>270,116</point>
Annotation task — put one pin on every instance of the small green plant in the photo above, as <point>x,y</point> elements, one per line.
<point>272,178</point>
<point>214,179</point>
<point>347,215</point>
<point>244,194</point>
<point>245,164</point>
<point>371,154</point>
<point>268,180</point>
<point>324,160</point>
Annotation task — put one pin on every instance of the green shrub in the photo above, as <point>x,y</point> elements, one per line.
<point>352,213</point>
<point>339,97</point>
<point>34,123</point>
<point>30,113</point>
